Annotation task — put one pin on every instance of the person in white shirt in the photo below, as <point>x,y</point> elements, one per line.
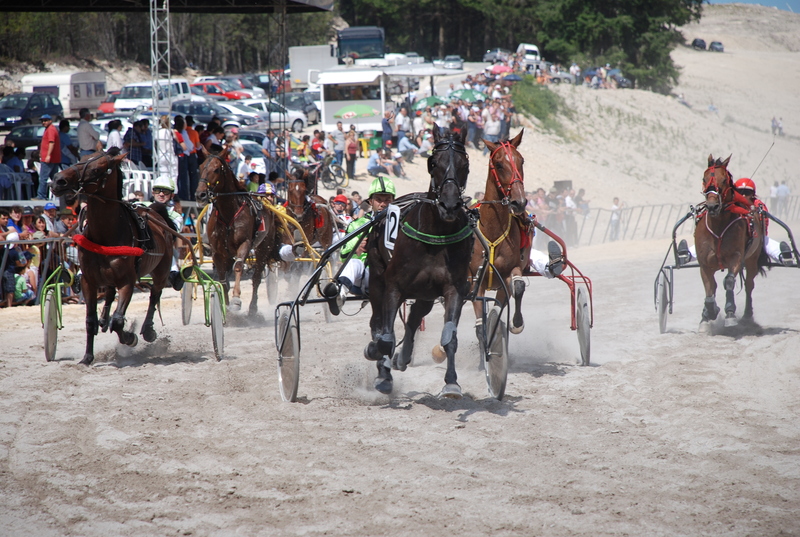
<point>114,135</point>
<point>88,138</point>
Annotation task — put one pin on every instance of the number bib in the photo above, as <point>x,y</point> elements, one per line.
<point>392,226</point>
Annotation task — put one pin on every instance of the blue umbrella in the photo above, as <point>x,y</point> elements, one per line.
<point>512,78</point>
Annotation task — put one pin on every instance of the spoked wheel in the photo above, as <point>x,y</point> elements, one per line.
<point>289,358</point>
<point>272,285</point>
<point>50,326</point>
<point>338,174</point>
<point>496,359</point>
<point>662,301</point>
<point>583,318</point>
<point>217,334</point>
<point>187,294</point>
<point>328,180</point>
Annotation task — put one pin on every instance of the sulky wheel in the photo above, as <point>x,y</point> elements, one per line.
<point>215,312</point>
<point>187,294</point>
<point>50,321</point>
<point>289,358</point>
<point>337,174</point>
<point>583,319</point>
<point>496,359</point>
<point>662,301</point>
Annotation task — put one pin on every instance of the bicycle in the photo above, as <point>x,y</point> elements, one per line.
<point>328,171</point>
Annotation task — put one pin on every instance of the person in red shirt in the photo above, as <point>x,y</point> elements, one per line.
<point>49,155</point>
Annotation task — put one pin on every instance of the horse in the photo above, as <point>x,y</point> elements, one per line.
<point>115,250</point>
<point>310,210</point>
<point>724,240</point>
<point>430,259</point>
<point>505,232</point>
<point>236,225</point>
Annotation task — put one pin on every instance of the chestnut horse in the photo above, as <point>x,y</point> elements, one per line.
<point>430,260</point>
<point>500,224</point>
<point>114,252</point>
<point>724,242</point>
<point>236,225</point>
<point>310,210</point>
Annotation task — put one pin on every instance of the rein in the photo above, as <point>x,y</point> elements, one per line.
<point>494,244</point>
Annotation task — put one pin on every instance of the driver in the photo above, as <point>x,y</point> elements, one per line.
<point>163,191</point>
<point>778,252</point>
<point>355,275</point>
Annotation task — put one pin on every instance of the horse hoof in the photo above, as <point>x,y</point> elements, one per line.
<point>704,328</point>
<point>517,329</point>
<point>398,364</point>
<point>253,311</point>
<point>134,341</point>
<point>149,335</point>
<point>451,391</point>
<point>87,359</point>
<point>235,304</point>
<point>438,354</point>
<point>384,385</point>
<point>731,321</point>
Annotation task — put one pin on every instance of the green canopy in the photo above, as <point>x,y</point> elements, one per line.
<point>469,95</point>
<point>433,100</point>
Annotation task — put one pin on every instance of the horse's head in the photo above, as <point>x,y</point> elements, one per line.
<point>448,167</point>
<point>91,176</point>
<point>505,167</point>
<point>717,185</point>
<point>296,196</point>
<point>214,175</point>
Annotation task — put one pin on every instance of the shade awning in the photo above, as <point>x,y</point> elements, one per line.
<point>349,77</point>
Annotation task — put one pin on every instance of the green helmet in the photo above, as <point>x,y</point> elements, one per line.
<point>382,185</point>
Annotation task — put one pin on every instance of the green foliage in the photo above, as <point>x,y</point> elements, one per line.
<point>537,100</point>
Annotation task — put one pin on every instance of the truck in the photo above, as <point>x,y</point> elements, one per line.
<point>307,62</point>
<point>75,90</point>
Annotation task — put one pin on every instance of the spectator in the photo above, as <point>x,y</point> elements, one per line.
<point>15,219</point>
<point>114,135</point>
<point>166,157</point>
<point>407,149</point>
<point>182,152</point>
<point>14,260</point>
<point>88,139</point>
<point>270,150</point>
<point>426,146</point>
<point>147,147</point>
<point>616,206</point>
<point>49,215</point>
<point>386,127</point>
<point>338,139</point>
<point>27,222</point>
<point>376,165</point>
<point>133,142</point>
<point>783,195</point>
<point>351,153</point>
<point>11,160</point>
<point>193,162</point>
<point>4,230</point>
<point>244,168</point>
<point>49,155</point>
<point>69,153</point>
<point>66,219</point>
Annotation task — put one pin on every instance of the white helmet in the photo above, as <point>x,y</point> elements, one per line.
<point>165,182</point>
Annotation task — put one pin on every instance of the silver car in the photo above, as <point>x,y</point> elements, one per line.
<point>279,116</point>
<point>453,62</point>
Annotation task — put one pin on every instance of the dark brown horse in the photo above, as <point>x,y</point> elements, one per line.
<point>430,259</point>
<point>310,210</point>
<point>724,242</point>
<point>505,232</point>
<point>236,225</point>
<point>114,253</point>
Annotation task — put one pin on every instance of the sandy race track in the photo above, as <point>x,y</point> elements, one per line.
<point>674,434</point>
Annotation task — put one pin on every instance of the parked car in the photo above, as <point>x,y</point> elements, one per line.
<point>258,117</point>
<point>244,83</point>
<point>302,102</point>
<point>716,46</point>
<point>453,62</point>
<point>205,112</point>
<point>279,117</point>
<point>107,106</point>
<point>198,92</point>
<point>221,89</point>
<point>28,108</point>
<point>558,77</point>
<point>496,55</point>
<point>622,82</point>
<point>31,135</point>
<point>314,91</point>
<point>698,44</point>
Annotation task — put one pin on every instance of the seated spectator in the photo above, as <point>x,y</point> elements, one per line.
<point>426,145</point>
<point>407,149</point>
<point>14,260</point>
<point>376,165</point>
<point>11,160</point>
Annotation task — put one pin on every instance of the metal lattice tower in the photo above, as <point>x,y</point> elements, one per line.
<point>160,63</point>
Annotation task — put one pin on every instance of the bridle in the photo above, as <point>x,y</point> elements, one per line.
<point>712,186</point>
<point>452,147</point>
<point>292,206</point>
<point>100,181</point>
<point>212,187</point>
<point>516,174</point>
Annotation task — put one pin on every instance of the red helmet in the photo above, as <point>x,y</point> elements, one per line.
<point>341,198</point>
<point>745,184</point>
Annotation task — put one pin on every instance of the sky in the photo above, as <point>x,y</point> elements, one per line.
<point>785,5</point>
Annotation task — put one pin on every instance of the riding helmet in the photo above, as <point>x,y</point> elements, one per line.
<point>382,185</point>
<point>745,184</point>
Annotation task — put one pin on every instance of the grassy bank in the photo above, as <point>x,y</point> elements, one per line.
<point>538,101</point>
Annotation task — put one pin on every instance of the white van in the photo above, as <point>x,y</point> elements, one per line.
<point>74,90</point>
<point>530,53</point>
<point>139,94</point>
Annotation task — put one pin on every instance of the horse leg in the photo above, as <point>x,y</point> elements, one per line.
<point>148,330</point>
<point>517,290</point>
<point>749,285</point>
<point>111,292</point>
<point>261,264</point>
<point>118,319</point>
<point>419,309</point>
<point>452,313</point>
<point>730,304</point>
<point>90,295</point>
<point>477,307</point>
<point>238,268</point>
<point>385,342</point>
<point>710,308</point>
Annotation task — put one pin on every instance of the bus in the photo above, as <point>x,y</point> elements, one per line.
<point>362,45</point>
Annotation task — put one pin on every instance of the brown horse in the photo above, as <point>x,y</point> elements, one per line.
<point>236,225</point>
<point>724,242</point>
<point>501,225</point>
<point>310,210</point>
<point>114,252</point>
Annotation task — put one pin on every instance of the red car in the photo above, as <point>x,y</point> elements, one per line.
<point>107,106</point>
<point>219,88</point>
